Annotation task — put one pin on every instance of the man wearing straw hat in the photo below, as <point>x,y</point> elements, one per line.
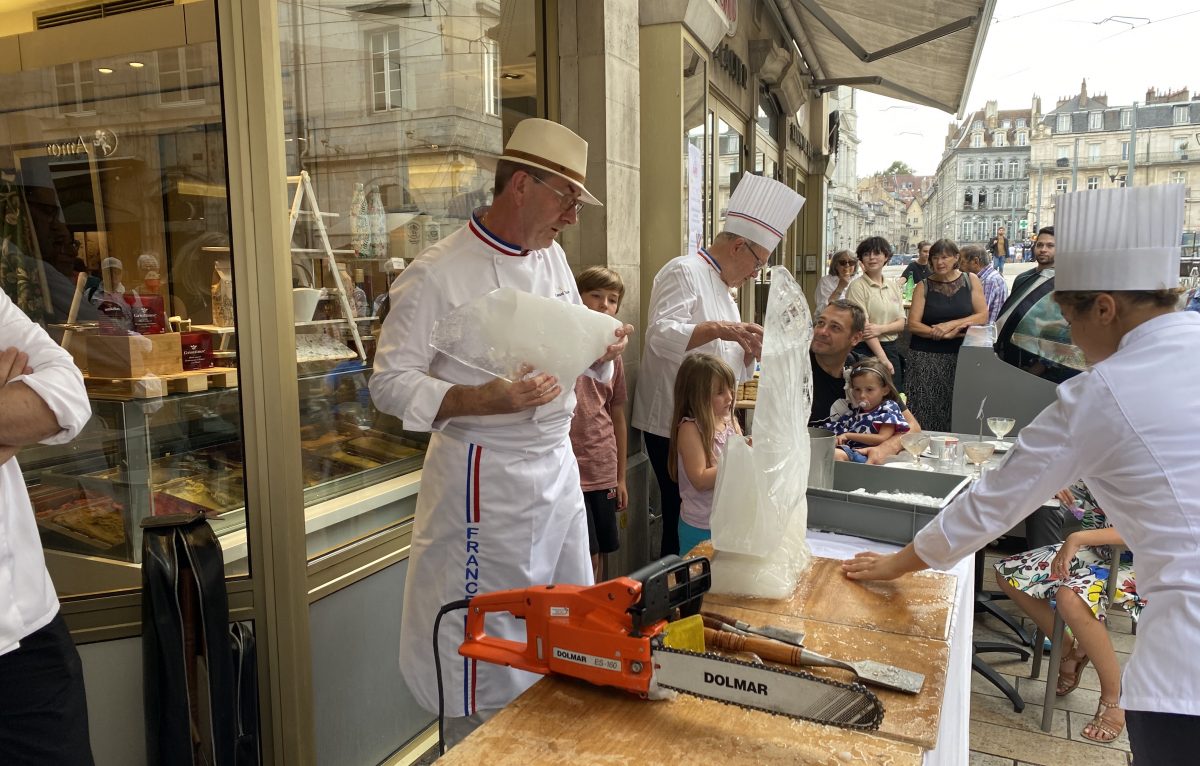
<point>500,505</point>
<point>1128,427</point>
<point>691,311</point>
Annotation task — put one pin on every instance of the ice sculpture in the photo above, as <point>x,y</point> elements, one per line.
<point>760,513</point>
<point>501,331</point>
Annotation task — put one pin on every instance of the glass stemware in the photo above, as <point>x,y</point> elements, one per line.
<point>1000,426</point>
<point>915,443</point>
<point>978,453</point>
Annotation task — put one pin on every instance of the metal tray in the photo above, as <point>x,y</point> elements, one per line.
<point>879,518</point>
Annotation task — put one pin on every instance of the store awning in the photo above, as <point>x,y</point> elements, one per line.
<point>922,51</point>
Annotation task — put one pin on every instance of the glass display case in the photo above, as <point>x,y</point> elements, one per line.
<point>182,453</point>
<point>1035,337</point>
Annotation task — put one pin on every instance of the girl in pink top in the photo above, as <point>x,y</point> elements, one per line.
<point>703,423</point>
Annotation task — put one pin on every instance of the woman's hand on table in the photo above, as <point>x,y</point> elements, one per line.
<point>870,565</point>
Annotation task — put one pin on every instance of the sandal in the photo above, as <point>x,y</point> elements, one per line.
<point>1068,681</point>
<point>1103,729</point>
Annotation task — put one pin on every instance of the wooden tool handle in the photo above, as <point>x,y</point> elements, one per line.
<point>763,647</point>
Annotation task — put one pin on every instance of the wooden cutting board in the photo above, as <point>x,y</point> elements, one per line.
<point>917,604</point>
<point>564,721</point>
<point>907,717</point>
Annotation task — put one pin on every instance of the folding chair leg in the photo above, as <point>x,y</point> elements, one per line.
<point>1056,652</point>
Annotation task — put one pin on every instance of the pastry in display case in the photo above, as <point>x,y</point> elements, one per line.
<point>182,453</point>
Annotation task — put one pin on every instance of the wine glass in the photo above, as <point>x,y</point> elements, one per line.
<point>978,453</point>
<point>1000,426</point>
<point>915,442</point>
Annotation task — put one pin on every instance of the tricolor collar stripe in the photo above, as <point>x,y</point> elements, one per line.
<point>711,261</point>
<point>491,240</point>
<point>758,221</point>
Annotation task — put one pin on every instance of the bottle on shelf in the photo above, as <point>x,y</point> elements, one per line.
<point>360,299</point>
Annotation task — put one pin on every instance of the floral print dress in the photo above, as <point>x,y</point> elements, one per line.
<point>1029,572</point>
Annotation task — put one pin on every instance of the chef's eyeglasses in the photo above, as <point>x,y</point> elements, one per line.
<point>759,263</point>
<point>567,202</point>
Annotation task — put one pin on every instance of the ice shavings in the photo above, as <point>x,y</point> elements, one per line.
<point>915,498</point>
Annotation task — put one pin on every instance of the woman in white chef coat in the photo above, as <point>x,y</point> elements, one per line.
<point>691,311</point>
<point>1128,428</point>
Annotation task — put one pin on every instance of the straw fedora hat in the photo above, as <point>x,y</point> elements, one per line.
<point>551,147</point>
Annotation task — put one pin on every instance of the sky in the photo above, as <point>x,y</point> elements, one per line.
<point>1045,48</point>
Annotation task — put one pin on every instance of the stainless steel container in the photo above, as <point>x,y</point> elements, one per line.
<point>820,467</point>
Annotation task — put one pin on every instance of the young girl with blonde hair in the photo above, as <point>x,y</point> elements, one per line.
<point>702,424</point>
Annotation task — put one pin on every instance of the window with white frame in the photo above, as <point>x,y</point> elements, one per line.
<point>970,170</point>
<point>1180,143</point>
<point>968,198</point>
<point>1062,152</point>
<point>1060,186</point>
<point>1006,124</point>
<point>1179,177</point>
<point>491,78</point>
<point>977,125</point>
<point>180,75</point>
<point>1012,168</point>
<point>996,224</point>
<point>980,229</point>
<point>1180,115</point>
<point>1126,118</point>
<point>1012,197</point>
<point>1124,150</point>
<point>75,88</point>
<point>1095,120</point>
<point>981,200</point>
<point>1093,152</point>
<point>998,138</point>
<point>966,230</point>
<point>1063,124</point>
<point>1022,138</point>
<point>997,198</point>
<point>976,141</point>
<point>984,169</point>
<point>387,74</point>
<point>1093,182</point>
<point>1020,122</point>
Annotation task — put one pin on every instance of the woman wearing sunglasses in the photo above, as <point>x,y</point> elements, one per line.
<point>843,269</point>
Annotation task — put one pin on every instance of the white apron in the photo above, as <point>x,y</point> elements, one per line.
<point>486,520</point>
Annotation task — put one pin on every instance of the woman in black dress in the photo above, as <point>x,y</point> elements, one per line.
<point>944,305</point>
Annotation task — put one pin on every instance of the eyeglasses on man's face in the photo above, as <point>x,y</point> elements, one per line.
<point>759,263</point>
<point>566,202</point>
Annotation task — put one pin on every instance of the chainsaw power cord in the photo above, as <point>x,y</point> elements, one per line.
<point>437,664</point>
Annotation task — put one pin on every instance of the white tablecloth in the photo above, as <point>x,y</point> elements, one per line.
<point>954,735</point>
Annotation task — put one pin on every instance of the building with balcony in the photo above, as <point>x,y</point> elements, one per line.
<point>1084,143</point>
<point>982,181</point>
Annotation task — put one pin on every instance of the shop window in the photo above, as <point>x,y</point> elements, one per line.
<point>697,135</point>
<point>181,76</point>
<point>443,87</point>
<point>115,238</point>
<point>729,166</point>
<point>1060,186</point>
<point>74,88</point>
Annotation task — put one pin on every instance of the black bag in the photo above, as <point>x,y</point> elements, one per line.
<point>188,668</point>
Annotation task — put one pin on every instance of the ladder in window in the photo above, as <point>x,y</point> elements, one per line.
<point>304,204</point>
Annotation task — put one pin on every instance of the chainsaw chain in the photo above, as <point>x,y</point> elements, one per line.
<point>872,724</point>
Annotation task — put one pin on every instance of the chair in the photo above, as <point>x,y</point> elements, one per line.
<point>1056,641</point>
<point>982,604</point>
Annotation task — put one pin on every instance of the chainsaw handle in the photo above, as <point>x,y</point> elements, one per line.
<point>500,651</point>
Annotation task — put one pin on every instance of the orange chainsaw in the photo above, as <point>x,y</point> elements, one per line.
<point>612,634</point>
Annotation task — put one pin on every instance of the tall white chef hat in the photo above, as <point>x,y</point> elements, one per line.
<point>761,209</point>
<point>1119,239</point>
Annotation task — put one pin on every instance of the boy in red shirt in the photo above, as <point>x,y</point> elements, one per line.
<point>599,430</point>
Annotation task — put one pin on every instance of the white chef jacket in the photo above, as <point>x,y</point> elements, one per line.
<point>686,292</point>
<point>411,378</point>
<point>27,599</point>
<point>500,504</point>
<point>1130,428</point>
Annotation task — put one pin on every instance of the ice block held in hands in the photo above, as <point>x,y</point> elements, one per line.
<point>499,332</point>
